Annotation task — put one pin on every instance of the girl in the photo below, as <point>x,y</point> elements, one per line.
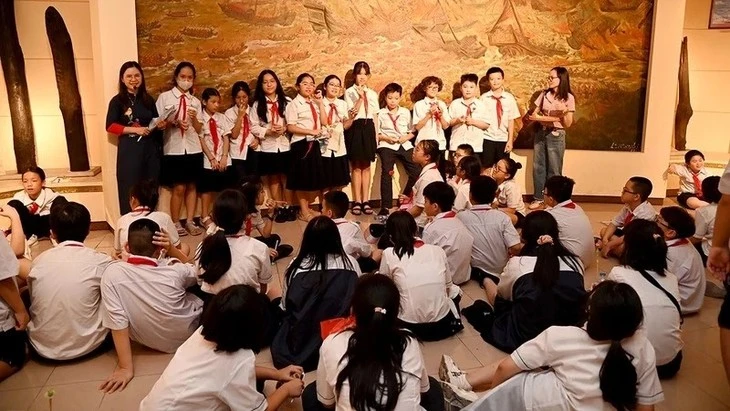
<point>554,110</point>
<point>216,367</point>
<point>318,285</point>
<point>427,156</point>
<point>34,205</point>
<point>335,120</point>
<point>468,169</point>
<point>217,171</point>
<point>704,229</point>
<point>375,365</point>
<point>182,160</point>
<point>691,174</point>
<point>362,103</point>
<point>430,115</point>
<point>245,146</point>
<point>509,195</point>
<point>607,364</point>
<point>543,286</point>
<point>255,197</point>
<point>420,272</point>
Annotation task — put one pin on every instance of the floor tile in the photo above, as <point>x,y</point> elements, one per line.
<point>32,375</point>
<point>95,369</point>
<point>484,352</point>
<point>149,362</point>
<point>70,397</point>
<point>130,398</point>
<point>432,352</point>
<point>18,399</point>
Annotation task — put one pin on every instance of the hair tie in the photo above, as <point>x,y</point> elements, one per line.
<point>380,310</point>
<point>656,236</point>
<point>544,239</point>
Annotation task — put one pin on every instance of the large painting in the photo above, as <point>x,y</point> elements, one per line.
<point>603,43</point>
<point>720,14</point>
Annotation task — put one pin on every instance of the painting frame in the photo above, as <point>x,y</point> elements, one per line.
<point>725,24</point>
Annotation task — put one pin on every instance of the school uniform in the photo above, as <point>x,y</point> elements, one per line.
<point>250,265</point>
<point>162,219</point>
<point>433,129</point>
<point>306,172</point>
<point>199,377</point>
<point>429,174</point>
<point>690,183</point>
<point>705,227</point>
<point>723,319</point>
<point>360,137</point>
<point>12,341</point>
<point>243,158</point>
<point>502,110</point>
<point>182,160</point>
<point>462,133</point>
<point>149,297</point>
<point>216,129</point>
<point>644,211</point>
<point>685,262</point>
<point>449,233</point>
<point>334,160</point>
<point>274,157</point>
<point>395,125</point>
<point>35,215</point>
<point>353,239</point>
<point>65,310</point>
<point>461,188</point>
<point>509,195</point>
<point>576,232</point>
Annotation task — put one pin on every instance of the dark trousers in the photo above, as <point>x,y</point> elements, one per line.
<point>492,152</point>
<point>438,330</point>
<point>671,368</point>
<point>40,225</point>
<point>388,158</point>
<point>136,161</point>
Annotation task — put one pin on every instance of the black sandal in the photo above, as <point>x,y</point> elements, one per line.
<point>356,208</point>
<point>366,208</point>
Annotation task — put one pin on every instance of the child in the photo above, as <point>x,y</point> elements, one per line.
<point>334,206</point>
<point>419,270</point>
<point>13,315</point>
<point>216,367</point>
<point>145,299</point>
<point>34,205</point>
<point>182,160</point>
<point>509,194</point>
<point>430,115</point>
<point>427,156</point>
<point>462,151</point>
<point>502,106</point>
<point>362,105</point>
<point>634,195</point>
<point>469,116</point>
<point>394,144</point>
<point>691,174</point>
<point>335,121</point>
<point>255,197</point>
<point>245,146</point>
<point>65,290</point>
<point>704,228</point>
<point>683,260</point>
<point>448,232</point>
<point>17,242</point>
<point>576,231</point>
<point>468,169</point>
<point>607,364</point>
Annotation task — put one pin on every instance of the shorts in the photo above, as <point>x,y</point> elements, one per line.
<point>683,197</point>
<point>12,347</point>
<point>181,169</point>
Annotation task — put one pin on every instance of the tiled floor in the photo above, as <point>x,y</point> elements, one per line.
<point>700,385</point>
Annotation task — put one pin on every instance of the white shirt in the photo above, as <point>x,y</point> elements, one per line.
<point>175,142</point>
<point>448,232</point>
<point>686,180</point>
<point>685,262</point>
<point>576,232</point>
<point>705,225</point>
<point>200,378</point>
<point>8,269</point>
<point>462,188</point>
<point>240,145</point>
<point>429,174</point>
<point>162,219</point>
<point>333,263</point>
<point>462,133</point>
<point>423,280</point>
<point>223,128</point>
<point>151,300</point>
<point>661,318</point>
<point>493,235</point>
<point>643,211</point>
<point>394,125</point>
<point>509,195</point>
<point>260,125</point>
<point>250,265</point>
<point>372,104</point>
<point>44,200</point>
<point>724,185</point>
<point>332,362</point>
<point>65,300</point>
<point>299,113</point>
<point>336,142</point>
<point>353,239</point>
<point>522,265</point>
<point>499,131</point>
<point>433,129</point>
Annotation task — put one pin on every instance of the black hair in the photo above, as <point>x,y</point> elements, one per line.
<point>35,170</point>
<point>259,96</point>
<point>140,237</point>
<point>493,70</point>
<point>642,186</point>
<point>251,188</point>
<point>375,349</point>
<point>238,87</point>
<point>691,153</point>
<point>564,88</point>
<point>402,229</point>
<point>321,239</point>
<point>179,68</point>
<point>208,93</point>
<point>467,148</point>
<point>338,202</point>
<point>560,188</point>
<point>615,313</point>
<point>330,77</point>
<point>229,214</point>
<point>70,221</point>
<point>431,149</point>
<point>419,93</point>
<point>440,193</point>
<point>147,193</point>
<point>146,99</point>
<point>644,247</point>
<point>393,88</point>
<point>512,167</point>
<point>469,77</point>
<point>679,220</point>
<point>471,166</point>
<point>360,66</point>
<point>227,311</point>
<point>483,190</point>
<point>302,76</point>
<point>710,191</point>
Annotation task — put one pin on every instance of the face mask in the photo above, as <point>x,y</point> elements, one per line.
<point>184,84</point>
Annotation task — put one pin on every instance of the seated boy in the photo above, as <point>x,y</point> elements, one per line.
<point>33,204</point>
<point>255,195</point>
<point>576,232</point>
<point>17,242</point>
<point>691,174</point>
<point>704,229</point>
<point>634,195</point>
<point>145,299</point>
<point>65,293</point>
<point>13,315</point>
<point>334,206</point>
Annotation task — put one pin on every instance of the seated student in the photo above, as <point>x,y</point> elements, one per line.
<point>34,205</point>
<point>13,315</point>
<point>427,155</point>
<point>541,287</point>
<point>318,285</point>
<point>421,274</point>
<point>634,195</point>
<point>463,150</point>
<point>576,232</point>
<point>17,242</point>
<point>253,191</point>
<point>468,169</point>
<point>683,260</point>
<point>644,267</point>
<point>606,364</point>
<point>509,193</point>
<point>216,367</point>
<point>334,206</point>
<point>365,366</point>
<point>448,232</point>
<point>691,174</point>
<point>704,228</point>
<point>65,295</point>
<point>145,299</point>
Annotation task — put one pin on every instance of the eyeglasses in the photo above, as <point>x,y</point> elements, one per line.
<point>626,190</point>
<point>500,170</point>
<point>662,222</point>
<point>333,85</point>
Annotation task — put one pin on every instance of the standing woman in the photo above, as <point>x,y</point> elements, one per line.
<point>129,114</point>
<point>554,111</point>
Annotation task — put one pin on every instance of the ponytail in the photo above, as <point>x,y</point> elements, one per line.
<point>215,257</point>
<point>547,266</point>
<point>618,378</point>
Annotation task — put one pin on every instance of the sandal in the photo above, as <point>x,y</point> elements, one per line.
<point>305,217</point>
<point>180,230</point>
<point>366,208</point>
<point>356,209</point>
<point>193,229</point>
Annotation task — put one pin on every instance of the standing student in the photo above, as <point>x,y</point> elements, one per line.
<point>576,232</point>
<point>427,156</point>
<point>509,194</point>
<point>335,120</point>
<point>469,116</point>
<point>362,105</point>
<point>635,196</point>
<point>502,106</point>
<point>182,160</point>
<point>468,169</point>
<point>33,204</point>
<point>245,146</point>
<point>691,174</point>
<point>255,197</point>
<point>430,114</point>
<point>14,317</point>
<point>704,225</point>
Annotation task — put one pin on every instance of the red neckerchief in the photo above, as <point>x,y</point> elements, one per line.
<point>246,125</point>
<point>182,108</point>
<point>418,243</point>
<point>141,261</point>
<point>570,205</point>
<point>449,214</point>
<point>213,126</point>
<point>274,108</point>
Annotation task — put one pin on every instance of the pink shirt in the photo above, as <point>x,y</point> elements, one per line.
<point>550,105</point>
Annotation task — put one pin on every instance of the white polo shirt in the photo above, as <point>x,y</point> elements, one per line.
<point>121,234</point>
<point>429,174</point>
<point>8,269</point>
<point>493,235</point>
<point>353,239</point>
<point>299,113</point>
<point>462,133</point>
<point>65,300</point>
<point>724,185</point>
<point>175,141</point>
<point>499,130</point>
<point>576,231</point>
<point>522,265</point>
<point>274,115</point>
<point>394,125</point>
<point>369,108</point>
<point>223,128</point>
<point>686,177</point>
<point>461,202</point>
<point>44,200</point>
<point>336,111</point>
<point>240,145</point>
<point>432,130</point>
<point>448,232</point>
<point>509,195</point>
<point>685,262</point>
<point>705,225</point>
<point>250,265</point>
<point>200,378</point>
<point>644,211</point>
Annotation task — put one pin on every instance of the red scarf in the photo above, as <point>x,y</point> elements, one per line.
<point>182,107</point>
<point>246,131</point>
<point>499,110</point>
<point>698,184</point>
<point>213,126</point>
<point>274,108</point>
<point>333,112</point>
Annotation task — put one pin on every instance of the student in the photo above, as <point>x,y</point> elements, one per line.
<point>468,169</point>
<point>34,205</point>
<point>469,116</point>
<point>462,151</point>
<point>421,274</point>
<point>362,106</point>
<point>448,232</point>
<point>255,197</point>
<point>216,367</point>
<point>17,242</point>
<point>509,194</point>
<point>430,114</point>
<point>541,287</point>
<point>691,174</point>
<point>704,224</point>
<point>644,267</point>
<point>394,135</point>
<point>375,365</point>
<point>427,156</point>
<point>334,206</point>
<point>245,146</point>
<point>683,260</point>
<point>634,195</point>
<point>606,364</point>
<point>502,106</point>
<point>182,160</point>
<point>145,299</point>
<point>335,120</point>
<point>14,317</point>
<point>318,285</point>
<point>576,231</point>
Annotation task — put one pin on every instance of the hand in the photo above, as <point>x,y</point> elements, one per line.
<point>290,373</point>
<point>9,212</point>
<point>269,203</point>
<point>318,96</point>
<point>315,132</point>
<point>277,129</point>
<point>469,121</point>
<point>255,143</point>
<point>273,253</point>
<point>193,114</point>
<point>223,163</point>
<point>184,125</point>
<point>535,117</point>
<point>402,198</point>
<point>162,239</point>
<point>21,320</point>
<point>213,164</point>
<point>162,124</point>
<point>508,147</point>
<point>605,249</point>
<point>141,131</point>
<point>294,388</point>
<point>117,381</point>
<point>718,261</point>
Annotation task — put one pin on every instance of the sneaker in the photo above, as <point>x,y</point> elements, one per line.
<point>457,391</point>
<point>536,205</point>
<point>33,240</point>
<point>714,291</point>
<point>193,229</point>
<point>180,230</point>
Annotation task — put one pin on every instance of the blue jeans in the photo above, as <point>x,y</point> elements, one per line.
<point>549,150</point>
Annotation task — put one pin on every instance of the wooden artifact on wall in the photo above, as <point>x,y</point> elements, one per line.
<point>68,90</point>
<point>684,106</point>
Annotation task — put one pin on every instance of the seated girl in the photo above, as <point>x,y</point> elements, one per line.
<point>34,205</point>
<point>704,229</point>
<point>427,156</point>
<point>509,194</point>
<point>17,242</point>
<point>253,191</point>
<point>469,168</point>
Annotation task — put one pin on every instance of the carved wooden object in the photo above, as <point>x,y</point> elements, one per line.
<point>684,106</point>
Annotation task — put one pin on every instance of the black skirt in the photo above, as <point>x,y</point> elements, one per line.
<point>306,172</point>
<point>360,141</point>
<point>270,164</point>
<point>336,170</point>
<point>181,169</point>
<point>211,181</point>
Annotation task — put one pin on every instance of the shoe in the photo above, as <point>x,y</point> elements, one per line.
<point>193,229</point>
<point>384,212</point>
<point>291,214</point>
<point>457,390</point>
<point>283,251</point>
<point>366,208</point>
<point>33,240</point>
<point>356,209</point>
<point>180,230</point>
<point>280,215</point>
<point>536,205</point>
<point>714,291</point>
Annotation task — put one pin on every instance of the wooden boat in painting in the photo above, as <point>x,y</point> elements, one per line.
<point>264,13</point>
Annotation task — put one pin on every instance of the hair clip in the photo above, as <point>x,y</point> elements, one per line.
<point>380,310</point>
<point>656,236</point>
<point>544,239</point>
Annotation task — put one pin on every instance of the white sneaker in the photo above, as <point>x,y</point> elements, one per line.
<point>457,390</point>
<point>33,240</point>
<point>536,205</point>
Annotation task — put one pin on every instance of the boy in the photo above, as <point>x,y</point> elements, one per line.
<point>145,299</point>
<point>634,195</point>
<point>65,295</point>
<point>683,260</point>
<point>448,232</point>
<point>691,174</point>
<point>704,228</point>
<point>33,204</point>
<point>335,206</point>
<point>394,137</point>
<point>13,315</point>
<point>469,116</point>
<point>430,115</point>
<point>502,106</point>
<point>576,232</point>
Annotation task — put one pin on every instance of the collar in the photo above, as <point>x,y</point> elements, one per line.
<point>302,100</point>
<point>677,242</point>
<point>333,101</point>
<point>702,172</point>
<point>70,243</point>
<point>141,209</point>
<point>142,260</point>
<point>275,100</point>
<point>638,207</point>
<point>490,94</point>
<point>446,214</point>
<point>177,93</point>
<point>427,167</point>
<point>418,243</point>
<point>566,204</point>
<point>481,207</point>
<point>207,117</point>
<point>469,104</point>
<point>40,199</point>
<point>339,221</point>
<point>430,100</point>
